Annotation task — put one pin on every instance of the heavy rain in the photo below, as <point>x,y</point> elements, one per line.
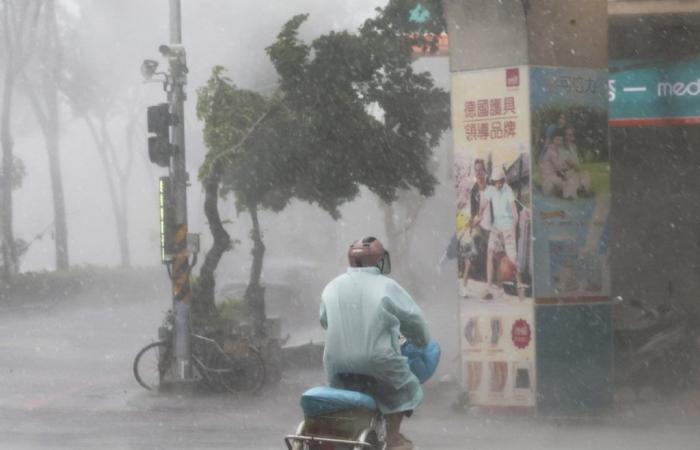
<point>366,224</point>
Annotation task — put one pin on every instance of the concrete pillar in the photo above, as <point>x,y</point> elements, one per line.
<point>529,105</point>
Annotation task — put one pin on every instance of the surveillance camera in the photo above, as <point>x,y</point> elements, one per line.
<point>148,68</point>
<point>172,51</point>
<point>176,54</point>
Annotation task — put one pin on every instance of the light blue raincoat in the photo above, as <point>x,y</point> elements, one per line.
<point>363,312</point>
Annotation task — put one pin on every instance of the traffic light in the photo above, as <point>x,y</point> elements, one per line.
<point>159,148</point>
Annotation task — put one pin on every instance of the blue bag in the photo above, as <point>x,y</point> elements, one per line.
<point>422,361</point>
<point>452,248</point>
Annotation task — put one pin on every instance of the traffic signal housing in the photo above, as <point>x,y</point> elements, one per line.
<point>159,148</point>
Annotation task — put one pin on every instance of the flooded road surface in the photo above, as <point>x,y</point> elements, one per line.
<point>66,383</point>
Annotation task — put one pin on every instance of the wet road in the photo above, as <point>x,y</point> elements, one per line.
<point>66,383</point>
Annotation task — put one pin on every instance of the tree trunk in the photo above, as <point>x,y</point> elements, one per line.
<point>121,196</point>
<point>399,220</point>
<point>102,141</point>
<point>222,242</point>
<point>59,205</point>
<point>50,125</point>
<point>255,293</point>
<point>123,228</point>
<point>124,175</point>
<point>390,228</point>
<point>398,230</point>
<point>118,182</point>
<point>9,252</point>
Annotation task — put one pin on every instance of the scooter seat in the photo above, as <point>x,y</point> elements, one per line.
<point>324,400</point>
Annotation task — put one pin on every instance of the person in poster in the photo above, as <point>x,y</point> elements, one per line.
<point>578,180</point>
<point>473,237</point>
<point>501,201</point>
<point>556,128</point>
<point>560,168</point>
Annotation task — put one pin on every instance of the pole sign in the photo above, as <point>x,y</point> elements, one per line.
<point>167,221</point>
<point>419,14</point>
<point>654,92</point>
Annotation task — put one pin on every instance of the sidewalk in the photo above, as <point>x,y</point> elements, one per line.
<point>644,424</point>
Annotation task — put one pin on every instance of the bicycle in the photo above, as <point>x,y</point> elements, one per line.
<point>235,367</point>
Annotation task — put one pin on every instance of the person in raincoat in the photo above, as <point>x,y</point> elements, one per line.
<point>364,312</point>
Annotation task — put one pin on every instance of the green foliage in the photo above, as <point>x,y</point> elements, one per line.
<point>234,310</point>
<point>21,247</point>
<point>229,314</point>
<point>350,111</point>
<point>600,176</point>
<point>249,143</point>
<point>334,94</point>
<point>18,173</point>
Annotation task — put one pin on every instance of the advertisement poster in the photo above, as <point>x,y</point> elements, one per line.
<point>570,184</point>
<point>491,132</point>
<point>498,355</point>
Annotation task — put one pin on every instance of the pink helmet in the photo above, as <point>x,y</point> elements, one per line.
<point>369,252</point>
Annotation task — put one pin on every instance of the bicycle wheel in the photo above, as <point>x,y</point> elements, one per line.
<point>151,363</point>
<point>243,371</point>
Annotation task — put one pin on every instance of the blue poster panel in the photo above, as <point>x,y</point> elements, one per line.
<point>571,184</point>
<point>571,205</point>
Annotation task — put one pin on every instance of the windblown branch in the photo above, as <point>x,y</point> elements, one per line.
<point>249,132</point>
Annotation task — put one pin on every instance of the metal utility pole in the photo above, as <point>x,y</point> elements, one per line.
<point>166,148</point>
<point>180,269</point>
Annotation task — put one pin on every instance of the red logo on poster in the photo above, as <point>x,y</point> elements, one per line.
<point>513,77</point>
<point>521,333</point>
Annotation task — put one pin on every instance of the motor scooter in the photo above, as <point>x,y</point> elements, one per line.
<point>349,418</point>
<point>659,352</point>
